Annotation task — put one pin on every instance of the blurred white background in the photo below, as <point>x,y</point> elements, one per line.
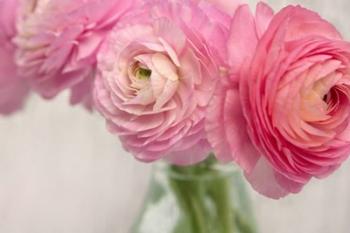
<point>61,172</point>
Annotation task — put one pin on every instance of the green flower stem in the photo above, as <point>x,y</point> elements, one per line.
<point>191,202</point>
<point>193,195</point>
<point>220,194</point>
<point>199,214</point>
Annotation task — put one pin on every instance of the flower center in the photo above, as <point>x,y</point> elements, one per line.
<point>143,73</point>
<point>326,97</point>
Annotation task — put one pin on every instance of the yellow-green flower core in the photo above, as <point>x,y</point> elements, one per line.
<point>143,74</point>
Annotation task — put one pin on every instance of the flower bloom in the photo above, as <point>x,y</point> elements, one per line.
<point>229,6</point>
<point>283,115</point>
<point>13,89</point>
<point>156,74</point>
<point>58,41</point>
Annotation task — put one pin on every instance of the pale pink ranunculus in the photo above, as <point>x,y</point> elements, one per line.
<point>157,73</point>
<point>58,41</point>
<point>13,89</point>
<point>283,115</point>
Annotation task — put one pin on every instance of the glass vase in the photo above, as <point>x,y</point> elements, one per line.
<point>204,198</point>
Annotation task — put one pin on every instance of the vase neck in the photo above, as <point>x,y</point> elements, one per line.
<point>207,170</point>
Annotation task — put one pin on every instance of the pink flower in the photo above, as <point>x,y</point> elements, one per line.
<point>13,89</point>
<point>58,41</point>
<point>229,6</point>
<point>157,73</point>
<point>284,118</point>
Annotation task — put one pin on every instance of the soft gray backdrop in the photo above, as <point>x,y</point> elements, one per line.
<point>61,172</point>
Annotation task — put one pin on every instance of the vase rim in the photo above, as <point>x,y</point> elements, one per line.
<point>217,171</point>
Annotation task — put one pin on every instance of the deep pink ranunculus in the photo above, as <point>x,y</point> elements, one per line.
<point>13,89</point>
<point>58,41</point>
<point>157,73</point>
<point>283,115</point>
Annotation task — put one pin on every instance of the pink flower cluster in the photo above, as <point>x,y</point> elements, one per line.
<point>13,90</point>
<point>180,79</point>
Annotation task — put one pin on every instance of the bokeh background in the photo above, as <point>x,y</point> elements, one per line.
<point>61,172</point>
